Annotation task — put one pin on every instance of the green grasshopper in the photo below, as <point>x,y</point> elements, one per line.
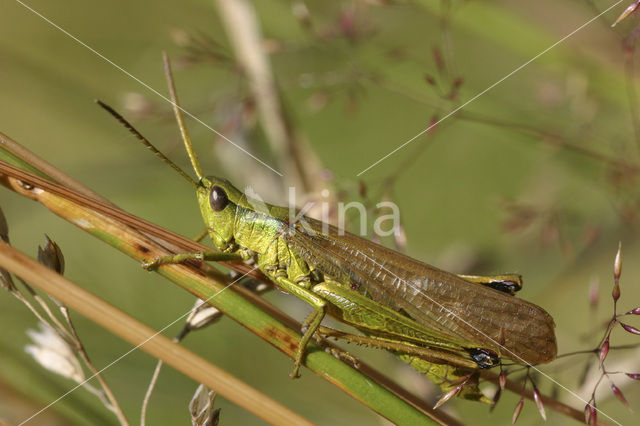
<point>446,326</point>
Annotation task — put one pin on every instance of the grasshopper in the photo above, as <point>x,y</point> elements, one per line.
<point>445,325</point>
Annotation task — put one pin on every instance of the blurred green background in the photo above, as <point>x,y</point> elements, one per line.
<point>538,176</point>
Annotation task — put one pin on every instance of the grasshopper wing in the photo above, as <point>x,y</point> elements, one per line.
<point>471,314</point>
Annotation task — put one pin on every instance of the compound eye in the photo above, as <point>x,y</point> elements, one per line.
<point>218,198</point>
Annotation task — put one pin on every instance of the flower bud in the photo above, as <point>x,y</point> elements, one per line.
<point>517,410</point>
<point>628,11</point>
<point>4,228</point>
<point>604,350</point>
<point>202,315</point>
<point>538,399</point>
<point>51,256</point>
<point>617,263</point>
<point>447,396</point>
<point>201,407</point>
<point>618,393</point>
<point>630,329</point>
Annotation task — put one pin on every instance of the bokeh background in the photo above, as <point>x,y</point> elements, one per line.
<point>538,176</point>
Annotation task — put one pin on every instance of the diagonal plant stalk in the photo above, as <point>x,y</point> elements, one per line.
<point>254,313</point>
<point>300,164</point>
<point>144,337</point>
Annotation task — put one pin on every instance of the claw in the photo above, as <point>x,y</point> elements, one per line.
<point>295,373</point>
<point>149,265</point>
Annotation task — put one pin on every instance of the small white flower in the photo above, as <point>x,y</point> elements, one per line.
<point>53,353</point>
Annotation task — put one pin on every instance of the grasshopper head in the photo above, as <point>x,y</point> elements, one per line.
<point>218,200</point>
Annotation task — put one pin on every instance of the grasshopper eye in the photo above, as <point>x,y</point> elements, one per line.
<point>218,198</point>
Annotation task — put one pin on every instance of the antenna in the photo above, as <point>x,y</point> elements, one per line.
<point>177,110</point>
<point>146,142</point>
